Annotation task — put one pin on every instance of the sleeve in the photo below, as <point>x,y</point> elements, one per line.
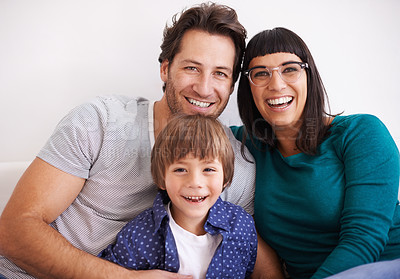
<point>371,163</point>
<point>237,132</point>
<point>241,190</point>
<point>253,249</point>
<point>123,252</point>
<point>76,141</point>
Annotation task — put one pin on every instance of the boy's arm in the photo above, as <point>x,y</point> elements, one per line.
<point>26,238</point>
<point>268,265</point>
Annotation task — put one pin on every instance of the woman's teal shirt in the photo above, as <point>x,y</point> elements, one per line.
<point>338,209</point>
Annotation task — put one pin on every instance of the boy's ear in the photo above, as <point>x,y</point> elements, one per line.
<point>162,187</point>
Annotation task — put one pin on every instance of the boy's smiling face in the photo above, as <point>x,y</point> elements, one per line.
<point>193,185</point>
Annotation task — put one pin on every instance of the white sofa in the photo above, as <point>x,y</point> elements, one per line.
<point>10,172</point>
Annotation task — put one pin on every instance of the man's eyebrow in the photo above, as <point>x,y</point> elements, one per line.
<point>190,61</point>
<point>199,64</point>
<point>225,68</point>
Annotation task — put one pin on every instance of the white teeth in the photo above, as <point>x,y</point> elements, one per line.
<point>195,199</point>
<point>280,101</point>
<point>198,103</point>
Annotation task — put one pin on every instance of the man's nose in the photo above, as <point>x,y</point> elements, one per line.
<point>204,85</point>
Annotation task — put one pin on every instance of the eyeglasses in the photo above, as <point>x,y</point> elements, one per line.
<point>289,72</point>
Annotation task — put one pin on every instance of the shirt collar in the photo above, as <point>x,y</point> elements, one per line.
<point>218,216</point>
<point>159,210</point>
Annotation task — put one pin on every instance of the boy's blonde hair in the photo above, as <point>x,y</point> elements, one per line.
<point>197,135</point>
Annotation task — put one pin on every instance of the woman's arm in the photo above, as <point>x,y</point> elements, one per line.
<point>268,265</point>
<point>371,163</point>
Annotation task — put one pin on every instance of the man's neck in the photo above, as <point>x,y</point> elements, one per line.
<point>161,115</point>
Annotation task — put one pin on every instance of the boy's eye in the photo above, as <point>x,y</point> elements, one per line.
<point>209,170</point>
<point>179,170</point>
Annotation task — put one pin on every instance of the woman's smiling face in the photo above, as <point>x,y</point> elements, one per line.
<point>280,103</point>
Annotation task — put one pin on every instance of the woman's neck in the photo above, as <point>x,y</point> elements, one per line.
<point>287,141</point>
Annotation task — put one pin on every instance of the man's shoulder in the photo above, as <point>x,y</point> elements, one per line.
<point>119,101</point>
<point>108,105</point>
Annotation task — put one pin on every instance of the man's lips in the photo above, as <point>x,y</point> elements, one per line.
<point>199,103</point>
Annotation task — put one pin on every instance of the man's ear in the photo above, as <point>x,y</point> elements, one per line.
<point>232,88</point>
<point>164,70</point>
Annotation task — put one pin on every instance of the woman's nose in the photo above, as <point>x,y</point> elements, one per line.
<point>276,83</point>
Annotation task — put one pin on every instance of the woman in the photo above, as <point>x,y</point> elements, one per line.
<point>326,186</point>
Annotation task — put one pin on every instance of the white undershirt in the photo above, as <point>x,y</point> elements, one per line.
<point>195,251</point>
<point>151,122</point>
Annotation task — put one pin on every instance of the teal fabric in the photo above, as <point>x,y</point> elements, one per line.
<point>327,213</point>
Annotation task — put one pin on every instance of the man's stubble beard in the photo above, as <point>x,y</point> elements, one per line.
<point>175,106</point>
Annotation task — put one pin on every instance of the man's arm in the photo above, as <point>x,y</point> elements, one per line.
<point>268,265</point>
<point>26,238</point>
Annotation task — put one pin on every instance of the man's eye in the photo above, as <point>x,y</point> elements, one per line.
<point>190,68</point>
<point>221,74</point>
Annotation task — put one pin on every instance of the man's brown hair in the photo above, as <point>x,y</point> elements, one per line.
<point>208,17</point>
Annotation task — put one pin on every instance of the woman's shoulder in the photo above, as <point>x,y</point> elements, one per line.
<point>355,120</point>
<point>358,124</point>
<point>361,131</point>
<point>237,131</point>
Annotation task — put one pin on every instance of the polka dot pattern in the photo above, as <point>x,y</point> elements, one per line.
<point>147,242</point>
<point>107,142</point>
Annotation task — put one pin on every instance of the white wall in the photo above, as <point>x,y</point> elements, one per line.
<point>56,54</point>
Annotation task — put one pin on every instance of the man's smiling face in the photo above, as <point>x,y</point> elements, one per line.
<point>199,79</point>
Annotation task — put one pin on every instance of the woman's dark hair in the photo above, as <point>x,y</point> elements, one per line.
<point>209,17</point>
<point>313,127</point>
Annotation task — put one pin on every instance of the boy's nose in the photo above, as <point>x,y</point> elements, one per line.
<point>195,181</point>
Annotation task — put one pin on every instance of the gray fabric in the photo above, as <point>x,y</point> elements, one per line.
<point>107,142</point>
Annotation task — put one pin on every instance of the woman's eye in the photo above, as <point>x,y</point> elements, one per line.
<point>289,70</point>
<point>262,74</point>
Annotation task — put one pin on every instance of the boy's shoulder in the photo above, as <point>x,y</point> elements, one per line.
<point>230,217</point>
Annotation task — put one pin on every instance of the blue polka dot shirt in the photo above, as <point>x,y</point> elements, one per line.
<point>147,242</point>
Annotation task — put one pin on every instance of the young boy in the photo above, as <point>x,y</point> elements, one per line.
<point>189,229</point>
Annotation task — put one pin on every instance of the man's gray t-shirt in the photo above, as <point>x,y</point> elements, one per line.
<point>108,142</point>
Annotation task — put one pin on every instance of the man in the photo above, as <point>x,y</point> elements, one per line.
<point>93,175</point>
